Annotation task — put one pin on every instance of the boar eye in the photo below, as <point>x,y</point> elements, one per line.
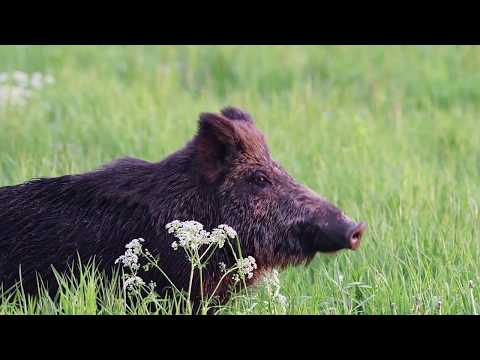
<point>261,180</point>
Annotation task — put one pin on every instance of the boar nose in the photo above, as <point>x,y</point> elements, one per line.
<point>355,233</point>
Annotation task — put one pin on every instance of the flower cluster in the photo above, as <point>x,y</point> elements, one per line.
<point>271,280</point>
<point>191,235</point>
<point>132,282</point>
<point>246,266</point>
<point>17,88</point>
<point>199,245</point>
<point>130,258</point>
<point>229,231</point>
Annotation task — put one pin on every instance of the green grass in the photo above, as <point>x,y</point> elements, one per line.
<point>389,134</point>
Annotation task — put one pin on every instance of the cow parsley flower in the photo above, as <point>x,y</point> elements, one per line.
<point>271,280</point>
<point>135,245</point>
<point>173,226</point>
<point>130,258</point>
<point>230,232</point>
<point>246,266</point>
<point>132,281</point>
<point>219,237</point>
<point>13,95</point>
<point>18,87</point>
<point>191,234</point>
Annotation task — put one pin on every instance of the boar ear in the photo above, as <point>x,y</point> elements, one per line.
<point>234,113</point>
<point>216,143</point>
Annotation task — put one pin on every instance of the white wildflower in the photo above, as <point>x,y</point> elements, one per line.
<point>192,226</point>
<point>230,232</point>
<point>173,226</point>
<point>218,236</point>
<point>246,266</point>
<point>130,258</point>
<point>135,245</point>
<point>13,95</point>
<point>272,282</point>
<point>191,235</point>
<point>271,279</point>
<point>131,282</point>
<point>18,87</point>
<point>188,237</point>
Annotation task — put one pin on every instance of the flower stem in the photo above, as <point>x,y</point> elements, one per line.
<point>189,304</point>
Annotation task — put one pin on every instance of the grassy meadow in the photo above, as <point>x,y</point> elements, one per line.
<point>391,134</point>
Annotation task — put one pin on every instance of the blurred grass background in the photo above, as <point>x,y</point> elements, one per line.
<point>388,133</point>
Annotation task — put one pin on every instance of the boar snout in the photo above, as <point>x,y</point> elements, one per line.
<point>331,231</point>
<point>354,235</point>
<point>336,235</point>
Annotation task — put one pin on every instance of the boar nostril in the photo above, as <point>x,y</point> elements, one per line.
<point>356,235</point>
